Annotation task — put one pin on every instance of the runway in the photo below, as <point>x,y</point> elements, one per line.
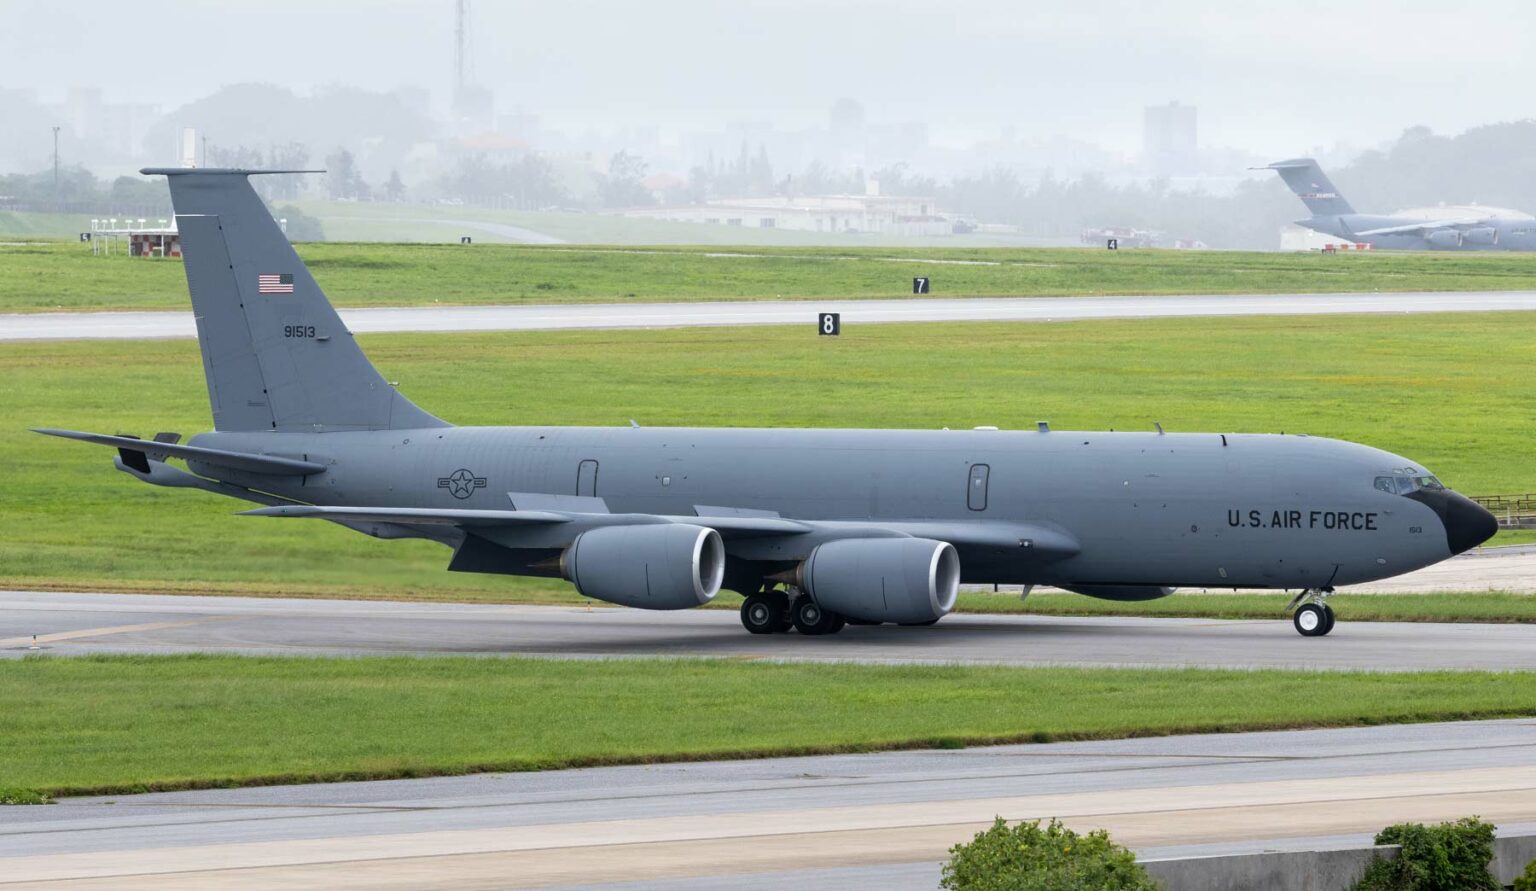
<point>138,325</point>
<point>830,822</point>
<point>69,624</point>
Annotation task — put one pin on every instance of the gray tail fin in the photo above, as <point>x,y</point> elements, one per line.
<point>275,353</point>
<point>1312,186</point>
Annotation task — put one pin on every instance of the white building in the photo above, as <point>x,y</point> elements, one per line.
<point>877,214</point>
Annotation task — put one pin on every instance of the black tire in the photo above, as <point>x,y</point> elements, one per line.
<point>1328,611</point>
<point>810,618</point>
<point>1311,620</point>
<point>766,612</point>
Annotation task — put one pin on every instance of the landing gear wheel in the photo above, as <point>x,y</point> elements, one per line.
<point>1312,619</point>
<point>810,618</point>
<point>766,612</point>
<point>1328,612</point>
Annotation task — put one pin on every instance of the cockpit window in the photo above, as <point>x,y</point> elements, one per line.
<point>1401,483</point>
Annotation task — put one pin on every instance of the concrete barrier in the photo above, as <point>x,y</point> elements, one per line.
<point>1323,870</point>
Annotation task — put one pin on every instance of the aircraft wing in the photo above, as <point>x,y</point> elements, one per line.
<point>1046,541</point>
<point>137,453</point>
<point>491,518</point>
<point>1422,226</point>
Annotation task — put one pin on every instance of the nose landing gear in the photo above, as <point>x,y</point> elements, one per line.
<point>1313,617</point>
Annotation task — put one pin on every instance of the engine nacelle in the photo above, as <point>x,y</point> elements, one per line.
<point>1444,238</point>
<point>652,566</point>
<point>1121,592</point>
<point>907,580</point>
<point>1481,235</point>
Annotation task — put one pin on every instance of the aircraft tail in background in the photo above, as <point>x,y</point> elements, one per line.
<point>1312,186</point>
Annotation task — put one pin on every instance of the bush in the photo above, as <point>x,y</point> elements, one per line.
<point>1447,857</point>
<point>1526,881</point>
<point>13,795</point>
<point>1029,858</point>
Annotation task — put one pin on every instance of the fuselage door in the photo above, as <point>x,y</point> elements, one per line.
<point>586,478</point>
<point>976,488</point>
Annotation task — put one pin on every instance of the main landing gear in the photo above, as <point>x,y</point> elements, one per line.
<point>1313,617</point>
<point>771,611</point>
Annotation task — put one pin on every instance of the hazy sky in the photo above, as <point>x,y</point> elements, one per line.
<point>1273,78</point>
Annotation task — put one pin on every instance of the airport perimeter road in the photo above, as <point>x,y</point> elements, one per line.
<point>135,325</point>
<point>67,624</point>
<point>845,821</point>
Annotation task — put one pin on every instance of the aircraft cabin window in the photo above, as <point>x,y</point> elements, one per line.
<point>1429,482</point>
<point>1386,484</point>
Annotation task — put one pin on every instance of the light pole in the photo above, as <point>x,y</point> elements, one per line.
<point>58,200</point>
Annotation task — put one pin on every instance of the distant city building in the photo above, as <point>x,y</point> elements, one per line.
<point>118,127</point>
<point>1170,143</point>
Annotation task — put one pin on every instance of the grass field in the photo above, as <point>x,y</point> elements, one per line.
<point>119,724</point>
<point>1489,606</point>
<point>65,276</point>
<point>1419,386</point>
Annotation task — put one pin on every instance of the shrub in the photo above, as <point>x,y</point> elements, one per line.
<point>1526,881</point>
<point>1029,858</point>
<point>13,795</point>
<point>1447,857</point>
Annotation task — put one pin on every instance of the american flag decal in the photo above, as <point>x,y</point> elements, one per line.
<point>274,283</point>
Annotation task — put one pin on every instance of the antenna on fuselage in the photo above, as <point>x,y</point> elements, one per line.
<point>1159,426</point>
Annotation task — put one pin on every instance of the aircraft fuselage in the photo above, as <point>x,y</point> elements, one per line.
<point>1146,509</point>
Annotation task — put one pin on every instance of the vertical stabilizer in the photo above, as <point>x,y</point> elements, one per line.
<point>1313,187</point>
<point>275,353</point>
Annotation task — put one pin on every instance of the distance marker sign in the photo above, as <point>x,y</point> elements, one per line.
<point>829,324</point>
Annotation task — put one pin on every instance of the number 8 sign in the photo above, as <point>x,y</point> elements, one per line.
<point>829,324</point>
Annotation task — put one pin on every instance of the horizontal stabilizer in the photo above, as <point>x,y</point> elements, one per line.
<point>159,451</point>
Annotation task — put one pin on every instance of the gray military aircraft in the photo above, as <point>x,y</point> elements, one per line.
<point>1443,228</point>
<point>817,527</point>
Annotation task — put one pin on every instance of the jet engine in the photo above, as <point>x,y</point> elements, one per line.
<point>652,566</point>
<point>1444,238</point>
<point>905,580</point>
<point>1481,235</point>
<point>1120,592</point>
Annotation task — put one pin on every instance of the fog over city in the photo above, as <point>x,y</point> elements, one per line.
<point>989,107</point>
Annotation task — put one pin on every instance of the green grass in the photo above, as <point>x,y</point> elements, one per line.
<point>118,724</point>
<point>1489,606</point>
<point>10,795</point>
<point>65,276</point>
<point>1419,386</point>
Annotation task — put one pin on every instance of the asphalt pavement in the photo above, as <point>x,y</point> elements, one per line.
<point>139,325</point>
<point>827,822</point>
<point>68,624</point>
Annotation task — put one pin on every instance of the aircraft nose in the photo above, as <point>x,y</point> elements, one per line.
<point>1467,523</point>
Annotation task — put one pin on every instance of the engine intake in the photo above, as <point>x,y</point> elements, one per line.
<point>907,580</point>
<point>653,566</point>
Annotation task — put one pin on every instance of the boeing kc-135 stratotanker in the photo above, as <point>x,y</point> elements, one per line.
<point>818,528</point>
